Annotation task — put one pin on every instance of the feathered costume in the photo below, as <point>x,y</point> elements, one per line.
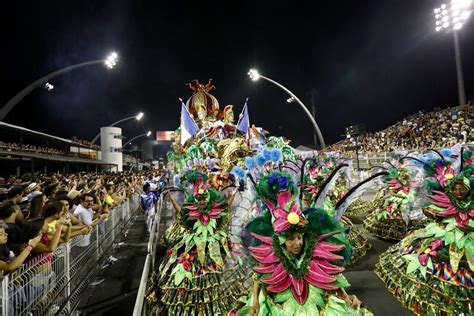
<point>394,215</point>
<point>296,278</point>
<point>324,175</point>
<point>199,275</point>
<point>431,270</point>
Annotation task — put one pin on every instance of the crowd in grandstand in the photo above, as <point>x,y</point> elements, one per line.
<point>38,215</point>
<point>55,151</point>
<point>85,143</point>
<point>436,129</point>
<point>30,148</point>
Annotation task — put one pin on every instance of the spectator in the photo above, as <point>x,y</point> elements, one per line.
<point>86,215</point>
<point>8,214</point>
<point>8,261</point>
<point>147,201</point>
<point>50,190</point>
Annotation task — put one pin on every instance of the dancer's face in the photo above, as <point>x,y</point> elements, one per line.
<point>294,243</point>
<point>460,191</point>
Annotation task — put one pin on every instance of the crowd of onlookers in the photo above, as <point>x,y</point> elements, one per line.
<point>38,215</point>
<point>85,143</point>
<point>436,129</point>
<point>30,148</point>
<point>55,151</point>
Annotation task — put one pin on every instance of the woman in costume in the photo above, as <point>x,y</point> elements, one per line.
<point>199,275</point>
<point>297,256</point>
<point>319,184</point>
<point>394,215</point>
<point>431,270</point>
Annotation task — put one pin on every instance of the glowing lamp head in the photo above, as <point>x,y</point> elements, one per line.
<point>111,60</point>
<point>139,116</point>
<point>148,134</point>
<point>253,74</point>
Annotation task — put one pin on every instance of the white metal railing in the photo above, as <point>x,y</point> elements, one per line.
<point>139,308</point>
<point>51,282</point>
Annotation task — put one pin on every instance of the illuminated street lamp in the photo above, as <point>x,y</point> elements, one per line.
<point>110,61</point>
<point>255,75</point>
<point>451,18</point>
<point>138,117</point>
<point>141,135</point>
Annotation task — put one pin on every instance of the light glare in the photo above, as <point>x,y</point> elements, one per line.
<point>253,74</point>
<point>139,116</point>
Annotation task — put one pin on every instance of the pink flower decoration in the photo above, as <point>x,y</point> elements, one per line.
<point>444,174</point>
<point>431,251</point>
<point>311,188</point>
<point>186,259</point>
<point>195,214</point>
<point>281,214</point>
<point>397,186</point>
<point>442,200</point>
<point>321,272</point>
<point>198,189</point>
<point>313,171</point>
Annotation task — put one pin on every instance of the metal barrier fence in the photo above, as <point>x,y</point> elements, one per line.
<point>52,283</point>
<point>140,308</point>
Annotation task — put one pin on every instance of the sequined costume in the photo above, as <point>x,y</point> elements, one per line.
<point>297,255</point>
<point>393,215</point>
<point>199,274</point>
<point>431,270</point>
<point>318,171</point>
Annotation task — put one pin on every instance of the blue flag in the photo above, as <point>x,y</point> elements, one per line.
<point>243,124</point>
<point>189,128</point>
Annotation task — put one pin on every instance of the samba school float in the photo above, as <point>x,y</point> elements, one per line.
<point>221,170</point>
<point>431,270</point>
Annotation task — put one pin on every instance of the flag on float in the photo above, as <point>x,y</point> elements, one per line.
<point>189,128</point>
<point>243,124</point>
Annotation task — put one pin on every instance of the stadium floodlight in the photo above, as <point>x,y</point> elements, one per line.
<point>451,18</point>
<point>147,134</point>
<point>48,86</point>
<point>454,16</point>
<point>255,75</point>
<point>111,60</point>
<point>138,117</point>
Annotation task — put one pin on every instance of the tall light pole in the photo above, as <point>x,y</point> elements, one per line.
<point>110,62</point>
<point>255,75</point>
<point>141,135</point>
<point>138,117</point>
<point>451,18</point>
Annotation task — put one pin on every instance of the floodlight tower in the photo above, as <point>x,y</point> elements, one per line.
<point>451,18</point>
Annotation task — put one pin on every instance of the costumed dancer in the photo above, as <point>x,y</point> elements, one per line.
<point>394,214</point>
<point>320,190</point>
<point>297,255</point>
<point>148,201</point>
<point>431,270</point>
<point>199,275</point>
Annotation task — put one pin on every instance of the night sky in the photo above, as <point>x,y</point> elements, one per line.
<point>371,62</point>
